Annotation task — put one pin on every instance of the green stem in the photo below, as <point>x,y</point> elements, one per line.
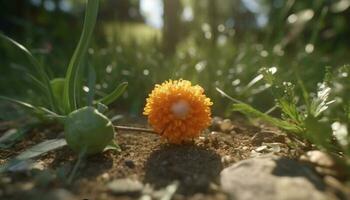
<point>69,98</point>
<point>136,129</point>
<point>76,166</point>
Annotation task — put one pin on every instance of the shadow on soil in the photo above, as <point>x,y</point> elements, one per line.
<point>194,167</point>
<point>91,167</point>
<point>292,168</point>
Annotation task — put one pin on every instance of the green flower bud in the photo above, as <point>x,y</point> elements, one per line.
<point>88,128</point>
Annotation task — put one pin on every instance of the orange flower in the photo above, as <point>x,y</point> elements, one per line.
<point>177,110</point>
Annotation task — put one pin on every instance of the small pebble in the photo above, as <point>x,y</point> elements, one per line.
<point>130,164</point>
<point>274,147</point>
<point>27,186</point>
<point>105,176</point>
<point>326,171</point>
<point>38,165</point>
<point>214,133</point>
<point>320,158</point>
<point>254,153</point>
<point>261,148</point>
<point>125,186</point>
<point>145,197</point>
<point>245,148</point>
<point>226,159</point>
<point>59,194</point>
<point>215,123</point>
<point>5,180</point>
<point>226,125</point>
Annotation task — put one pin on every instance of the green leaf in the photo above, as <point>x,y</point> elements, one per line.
<point>290,109</point>
<point>252,112</point>
<point>318,132</point>
<point>41,148</point>
<point>91,85</point>
<point>33,152</point>
<point>57,86</point>
<point>10,137</point>
<point>39,68</point>
<point>69,98</point>
<point>21,103</point>
<point>113,146</point>
<point>37,110</point>
<point>38,83</point>
<point>110,98</point>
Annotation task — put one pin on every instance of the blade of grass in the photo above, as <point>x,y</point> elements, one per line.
<point>227,96</point>
<point>38,110</point>
<point>69,99</point>
<point>38,67</point>
<point>33,152</point>
<point>91,85</point>
<point>114,95</point>
<point>252,112</point>
<point>21,103</point>
<point>37,82</point>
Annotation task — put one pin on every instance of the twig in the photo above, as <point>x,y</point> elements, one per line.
<point>128,128</point>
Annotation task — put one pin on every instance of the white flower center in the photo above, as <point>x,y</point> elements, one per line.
<point>180,108</point>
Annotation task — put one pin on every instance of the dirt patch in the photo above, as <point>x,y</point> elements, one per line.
<point>143,157</point>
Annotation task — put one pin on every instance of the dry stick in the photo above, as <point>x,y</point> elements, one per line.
<point>128,128</point>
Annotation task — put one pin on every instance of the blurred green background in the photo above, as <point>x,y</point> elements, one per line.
<point>214,43</point>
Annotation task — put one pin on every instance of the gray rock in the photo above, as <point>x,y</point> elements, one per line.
<point>55,194</point>
<point>125,186</point>
<point>318,158</point>
<point>272,178</point>
<point>324,163</point>
<point>226,125</point>
<point>61,194</point>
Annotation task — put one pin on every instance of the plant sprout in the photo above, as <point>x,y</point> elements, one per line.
<point>87,129</point>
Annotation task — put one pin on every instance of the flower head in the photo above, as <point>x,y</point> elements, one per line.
<point>177,110</point>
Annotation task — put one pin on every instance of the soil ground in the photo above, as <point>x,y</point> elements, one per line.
<point>143,157</point>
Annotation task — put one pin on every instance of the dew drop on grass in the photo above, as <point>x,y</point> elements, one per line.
<point>119,49</point>
<point>221,28</point>
<point>200,66</point>
<point>292,18</point>
<point>231,70</point>
<point>205,27</point>
<point>309,48</point>
<point>236,82</point>
<point>222,39</point>
<point>207,35</point>
<point>91,51</point>
<point>219,72</point>
<point>125,72</point>
<point>264,53</point>
<point>146,72</point>
<point>109,69</point>
<point>273,70</point>
<point>340,132</point>
<point>86,88</point>
<point>98,86</point>
<point>49,5</point>
<point>278,50</point>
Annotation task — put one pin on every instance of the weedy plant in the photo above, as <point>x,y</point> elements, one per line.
<point>322,118</point>
<point>87,130</point>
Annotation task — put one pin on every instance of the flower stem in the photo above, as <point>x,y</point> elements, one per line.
<point>128,128</point>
